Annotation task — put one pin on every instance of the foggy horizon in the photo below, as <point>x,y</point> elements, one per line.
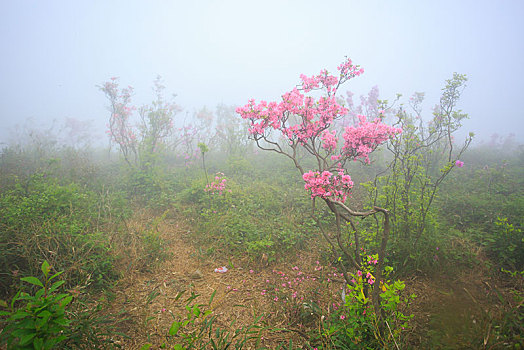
<point>208,53</point>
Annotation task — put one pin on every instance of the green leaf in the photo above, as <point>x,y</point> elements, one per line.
<point>212,297</point>
<point>19,315</point>
<point>174,328</point>
<point>32,280</point>
<point>38,343</point>
<point>56,275</point>
<point>26,339</point>
<point>55,286</point>
<point>146,346</point>
<point>43,318</point>
<point>66,301</point>
<point>179,295</point>
<point>46,268</point>
<point>196,310</point>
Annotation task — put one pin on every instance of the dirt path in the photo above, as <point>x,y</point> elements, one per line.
<point>149,298</point>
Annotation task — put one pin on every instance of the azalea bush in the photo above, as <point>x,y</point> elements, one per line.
<point>303,127</point>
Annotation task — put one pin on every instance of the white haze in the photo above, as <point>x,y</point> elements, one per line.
<point>55,53</point>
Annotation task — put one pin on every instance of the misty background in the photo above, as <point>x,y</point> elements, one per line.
<point>56,53</point>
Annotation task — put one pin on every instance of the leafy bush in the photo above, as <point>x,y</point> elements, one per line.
<point>356,325</point>
<point>62,224</point>
<point>40,322</point>
<point>484,190</point>
<point>505,245</point>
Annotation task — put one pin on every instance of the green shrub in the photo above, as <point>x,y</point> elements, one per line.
<point>356,325</point>
<point>40,322</point>
<point>63,224</point>
<point>505,244</point>
<point>249,218</point>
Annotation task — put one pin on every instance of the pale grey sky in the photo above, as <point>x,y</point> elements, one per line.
<point>54,53</point>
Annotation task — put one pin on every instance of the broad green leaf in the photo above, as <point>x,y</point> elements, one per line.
<point>20,314</point>
<point>174,328</point>
<point>32,280</point>
<point>43,318</point>
<point>196,310</point>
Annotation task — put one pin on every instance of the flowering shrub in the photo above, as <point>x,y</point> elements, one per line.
<point>218,185</point>
<point>305,121</point>
<point>119,128</point>
<point>355,325</point>
<point>138,144</point>
<point>344,316</point>
<point>360,141</point>
<point>310,125</point>
<point>328,185</point>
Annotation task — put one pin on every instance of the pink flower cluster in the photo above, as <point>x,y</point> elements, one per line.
<point>327,185</point>
<point>459,163</point>
<point>313,115</point>
<point>324,79</point>
<point>372,260</point>
<point>329,140</point>
<point>348,70</point>
<point>368,278</point>
<point>303,119</point>
<point>360,141</point>
<point>218,185</point>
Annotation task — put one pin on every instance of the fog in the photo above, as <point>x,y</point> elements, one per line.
<point>56,53</point>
